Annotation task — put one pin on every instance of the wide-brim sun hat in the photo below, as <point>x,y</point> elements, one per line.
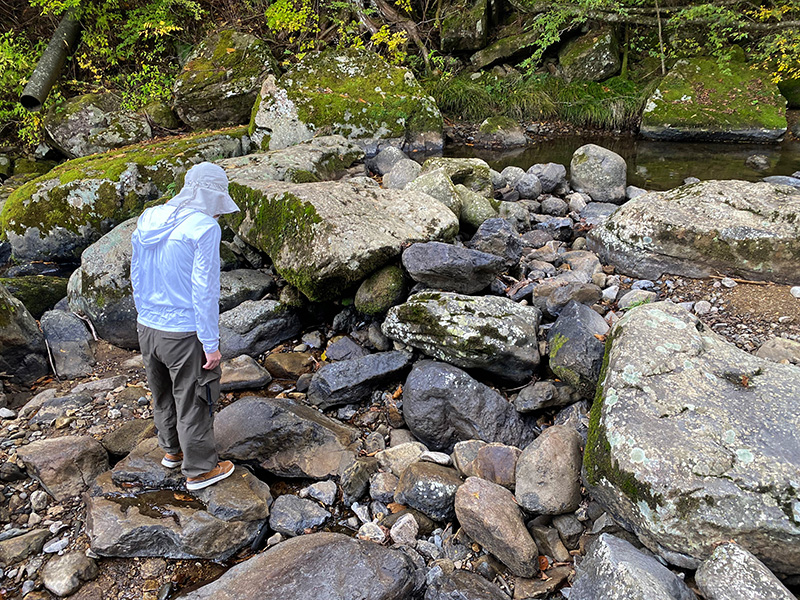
<point>205,189</point>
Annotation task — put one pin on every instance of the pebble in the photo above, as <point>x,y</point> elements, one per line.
<point>371,532</point>
<point>361,511</point>
<point>56,546</point>
<point>275,538</point>
<point>728,282</point>
<point>57,527</point>
<point>28,586</point>
<point>440,458</point>
<point>795,291</point>
<point>7,413</point>
<point>702,308</point>
<point>642,284</point>
<point>405,530</point>
<point>324,491</point>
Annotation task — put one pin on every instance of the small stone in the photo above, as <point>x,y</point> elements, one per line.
<point>795,291</point>
<point>371,532</point>
<point>362,512</point>
<point>728,282</point>
<point>324,491</point>
<point>702,308</point>
<point>275,538</point>
<point>7,413</point>
<point>56,546</point>
<point>405,530</point>
<point>440,458</point>
<point>63,575</point>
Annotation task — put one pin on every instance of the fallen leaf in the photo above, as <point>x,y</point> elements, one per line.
<point>602,338</point>
<point>229,50</point>
<point>543,563</point>
<point>398,392</point>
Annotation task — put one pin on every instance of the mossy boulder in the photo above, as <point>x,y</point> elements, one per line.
<point>700,100</point>
<point>790,89</point>
<point>220,81</point>
<point>56,216</point>
<point>437,184</point>
<point>701,229</point>
<point>693,441</point>
<point>23,355</point>
<point>380,291</point>
<point>465,25</point>
<point>473,173</point>
<point>39,293</point>
<point>500,132</point>
<point>505,49</point>
<point>161,115</point>
<point>100,288</point>
<point>351,92</point>
<point>323,238</point>
<point>94,123</point>
<point>475,208</point>
<point>593,56</point>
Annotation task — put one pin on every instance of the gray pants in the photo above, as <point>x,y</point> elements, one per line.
<point>183,396</point>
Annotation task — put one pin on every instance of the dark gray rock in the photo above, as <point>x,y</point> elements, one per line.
<point>596,213</point>
<point>783,180</point>
<point>70,343</point>
<point>323,566</point>
<point>528,186</point>
<point>242,284</point>
<point>489,333</point>
<point>443,405</point>
<point>510,175</point>
<point>429,488</point>
<point>284,438</point>
<point>344,348</point>
<point>142,468</point>
<point>451,268</point>
<point>384,160</point>
<point>23,354</point>
<point>291,515</point>
<point>254,327</point>
<point>569,529</point>
<point>544,394</point>
<point>692,463</point>
<point>598,172</point>
<point>550,175</point>
<point>354,477</point>
<point>350,381</point>
<point>498,237</point>
<point>615,570</point>
<point>731,572</point>
<point>552,205</point>
<point>576,354</point>
<point>463,585</point>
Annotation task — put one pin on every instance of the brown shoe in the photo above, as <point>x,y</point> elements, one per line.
<point>172,460</point>
<point>221,471</point>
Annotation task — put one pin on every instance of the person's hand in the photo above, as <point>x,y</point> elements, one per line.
<point>212,360</point>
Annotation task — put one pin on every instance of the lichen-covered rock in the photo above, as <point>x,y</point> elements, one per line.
<point>351,92</point>
<point>591,57</point>
<point>437,184</point>
<point>39,293</point>
<point>100,288</point>
<point>598,172</point>
<point>732,227</point>
<point>429,488</point>
<point>220,80</point>
<point>731,572</point>
<point>465,25</point>
<point>57,215</point>
<point>476,209</point>
<point>94,123</point>
<point>380,291</point>
<point>488,332</point>
<point>500,132</point>
<point>701,100</point>
<point>472,173</point>
<point>70,344</point>
<point>504,48</point>
<point>693,441</point>
<point>23,354</point>
<point>325,237</point>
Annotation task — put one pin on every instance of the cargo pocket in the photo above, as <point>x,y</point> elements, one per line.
<point>208,388</point>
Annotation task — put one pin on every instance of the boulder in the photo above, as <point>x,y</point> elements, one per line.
<point>437,184</point>
<point>351,92</point>
<point>498,237</point>
<point>354,380</point>
<point>64,466</point>
<point>321,565</point>
<point>489,333</point>
<point>283,438</point>
<point>70,344</point>
<point>676,452</point>
<point>292,516</point>
<point>489,515</point>
<point>242,284</point>
<point>464,585</point>
<point>325,237</point>
<point>598,172</point>
<point>100,289</point>
<point>401,174</point>
<point>576,353</point>
<point>465,25</point>
<point>500,132</point>
<point>39,293</point>
<point>243,373</point>
<point>256,326</point>
<point>384,160</point>
<point>703,100</point>
<point>23,354</point>
<point>472,173</point>
<point>94,123</point>
<point>443,405</point>
<point>451,268</point>
<point>732,227</point>
<point>220,80</point>
<point>552,176</point>
<point>505,48</point>
<point>212,523</point>
<point>380,291</point>
<point>593,56</point>
<point>55,216</point>
<point>731,572</point>
<point>475,208</point>
<point>430,489</point>
<point>614,569</point>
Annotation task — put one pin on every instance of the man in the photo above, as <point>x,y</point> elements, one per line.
<point>175,278</point>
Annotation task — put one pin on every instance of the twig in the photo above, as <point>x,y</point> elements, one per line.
<point>50,358</point>
<point>89,323</point>
<point>742,280</point>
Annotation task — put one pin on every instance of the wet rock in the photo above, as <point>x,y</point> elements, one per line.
<point>489,515</point>
<point>64,575</point>
<point>320,565</point>
<point>451,268</point>
<point>243,373</point>
<point>242,284</point>
<point>289,365</point>
<point>284,438</point>
<point>70,344</point>
<point>23,354</point>
<point>429,488</point>
<point>219,82</point>
<point>549,472</point>
<point>437,184</point>
<point>401,174</point>
<point>783,180</point>
<point>443,405</point>
<point>576,353</point>
<point>291,515</point>
<point>349,381</point>
<point>19,547</point>
<point>598,172</point>
<point>380,291</point>
<point>125,438</point>
<point>64,466</point>
<point>488,333</point>
<point>497,236</point>
<point>398,458</point>
<point>544,394</point>
<point>614,569</point>
<point>731,572</point>
<point>463,585</point>
<point>142,468</point>
<point>552,176</point>
<point>497,463</point>
<point>254,327</point>
<point>384,160</point>
<point>674,416</point>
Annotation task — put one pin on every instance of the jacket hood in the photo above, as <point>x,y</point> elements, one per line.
<point>157,223</point>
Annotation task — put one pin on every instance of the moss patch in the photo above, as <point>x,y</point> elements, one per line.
<point>38,293</point>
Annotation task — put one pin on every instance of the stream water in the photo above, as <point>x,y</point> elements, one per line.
<point>652,165</point>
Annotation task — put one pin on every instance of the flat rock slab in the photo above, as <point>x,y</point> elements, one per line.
<point>489,333</point>
<point>451,268</point>
<point>325,237</point>
<point>731,572</point>
<point>242,373</point>
<point>256,326</point>
<point>284,438</point>
<point>327,566</point>
<point>693,441</point>
<point>463,585</point>
<point>705,228</point>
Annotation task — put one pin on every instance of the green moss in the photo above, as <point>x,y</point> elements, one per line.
<point>38,293</point>
<point>302,176</point>
<point>497,123</point>
<point>380,291</point>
